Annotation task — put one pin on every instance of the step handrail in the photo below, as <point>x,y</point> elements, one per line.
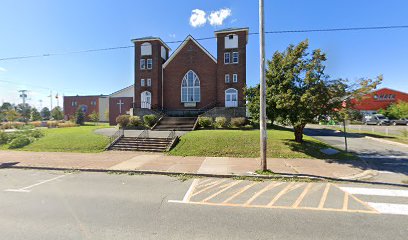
<point>143,135</point>
<point>120,133</point>
<point>172,134</point>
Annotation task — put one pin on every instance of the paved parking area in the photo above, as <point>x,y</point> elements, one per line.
<point>297,196</point>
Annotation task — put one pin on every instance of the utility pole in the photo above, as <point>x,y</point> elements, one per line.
<point>262,106</point>
<point>23,95</point>
<point>51,99</point>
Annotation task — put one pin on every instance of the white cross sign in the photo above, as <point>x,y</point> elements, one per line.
<point>120,103</point>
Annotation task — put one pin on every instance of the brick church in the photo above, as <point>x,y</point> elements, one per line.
<point>188,82</point>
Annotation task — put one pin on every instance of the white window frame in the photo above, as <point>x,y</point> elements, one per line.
<point>149,82</point>
<point>149,63</point>
<point>142,64</point>
<point>231,103</point>
<point>227,78</point>
<point>74,104</point>
<point>186,86</point>
<point>235,57</point>
<point>142,82</point>
<point>225,58</point>
<point>143,103</point>
<point>234,78</point>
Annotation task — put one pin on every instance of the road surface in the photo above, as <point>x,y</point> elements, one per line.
<point>56,205</point>
<point>390,160</point>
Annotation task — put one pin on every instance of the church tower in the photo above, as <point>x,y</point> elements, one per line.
<point>150,54</point>
<point>231,66</point>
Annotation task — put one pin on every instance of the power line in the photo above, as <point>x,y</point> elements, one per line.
<point>207,38</point>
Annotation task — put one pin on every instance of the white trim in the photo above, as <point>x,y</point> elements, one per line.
<point>189,37</point>
<point>232,30</point>
<point>229,58</point>
<point>225,78</point>
<point>235,75</point>
<point>151,63</point>
<point>151,39</point>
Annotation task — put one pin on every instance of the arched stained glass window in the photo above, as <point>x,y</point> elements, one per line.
<point>190,88</point>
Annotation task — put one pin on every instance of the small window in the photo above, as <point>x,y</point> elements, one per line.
<point>375,96</point>
<point>93,103</point>
<point>227,58</point>
<point>149,82</point>
<point>74,104</point>
<point>227,78</point>
<point>142,82</point>
<point>231,36</point>
<point>235,57</point>
<point>235,78</point>
<point>142,64</point>
<point>149,63</point>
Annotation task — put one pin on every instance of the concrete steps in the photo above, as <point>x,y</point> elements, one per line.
<point>146,144</point>
<point>176,123</point>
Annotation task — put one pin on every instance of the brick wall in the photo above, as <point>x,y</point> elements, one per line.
<point>190,57</point>
<point>70,110</point>
<point>114,110</point>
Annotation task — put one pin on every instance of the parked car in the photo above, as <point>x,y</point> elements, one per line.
<point>401,121</point>
<point>376,119</point>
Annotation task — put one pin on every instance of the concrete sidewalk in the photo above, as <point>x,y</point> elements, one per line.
<point>143,161</point>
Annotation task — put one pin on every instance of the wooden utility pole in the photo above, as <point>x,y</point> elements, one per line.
<point>262,106</point>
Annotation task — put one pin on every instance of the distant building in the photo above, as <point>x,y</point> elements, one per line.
<point>113,105</point>
<point>379,99</point>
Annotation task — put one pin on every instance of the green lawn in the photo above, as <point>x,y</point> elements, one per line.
<point>74,139</point>
<point>245,143</point>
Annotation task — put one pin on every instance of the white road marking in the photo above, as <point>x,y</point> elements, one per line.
<point>26,189</point>
<point>375,191</point>
<point>390,208</point>
<point>188,193</point>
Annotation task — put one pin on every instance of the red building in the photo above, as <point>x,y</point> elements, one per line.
<point>191,79</point>
<point>88,104</point>
<point>380,99</point>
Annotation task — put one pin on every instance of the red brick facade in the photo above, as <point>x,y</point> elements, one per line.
<point>118,106</point>
<point>380,99</point>
<point>72,103</point>
<point>167,74</point>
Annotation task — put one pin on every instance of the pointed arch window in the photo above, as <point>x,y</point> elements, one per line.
<point>190,88</point>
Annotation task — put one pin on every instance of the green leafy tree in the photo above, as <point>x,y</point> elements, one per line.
<point>57,113</point>
<point>398,110</point>
<point>45,113</point>
<point>35,115</point>
<point>79,116</point>
<point>12,115</point>
<point>94,117</point>
<point>24,109</point>
<point>6,106</point>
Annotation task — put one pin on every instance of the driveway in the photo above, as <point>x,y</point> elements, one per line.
<point>390,160</point>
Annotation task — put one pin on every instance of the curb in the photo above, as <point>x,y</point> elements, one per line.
<point>277,176</point>
<point>387,141</point>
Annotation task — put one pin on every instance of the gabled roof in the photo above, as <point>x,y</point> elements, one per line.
<point>150,38</point>
<point>121,90</point>
<point>182,45</point>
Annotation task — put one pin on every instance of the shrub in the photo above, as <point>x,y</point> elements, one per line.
<point>52,124</point>
<point>205,122</point>
<point>4,138</point>
<point>32,133</point>
<point>135,121</point>
<point>238,122</point>
<point>220,122</point>
<point>149,120</point>
<point>11,125</point>
<point>79,116</point>
<point>123,120</point>
<point>36,123</point>
<point>67,124</point>
<point>20,142</point>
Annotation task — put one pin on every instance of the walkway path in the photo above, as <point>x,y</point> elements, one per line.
<point>143,161</point>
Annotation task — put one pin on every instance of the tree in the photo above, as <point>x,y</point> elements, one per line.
<point>57,113</point>
<point>45,113</point>
<point>79,116</point>
<point>35,115</point>
<point>398,110</point>
<point>12,115</point>
<point>24,109</point>
<point>5,106</point>
<point>94,117</point>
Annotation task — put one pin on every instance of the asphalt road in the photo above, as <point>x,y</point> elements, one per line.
<point>392,130</point>
<point>390,160</point>
<point>56,205</point>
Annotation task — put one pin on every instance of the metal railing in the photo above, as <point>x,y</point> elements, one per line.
<point>172,134</point>
<point>143,135</point>
<point>116,137</point>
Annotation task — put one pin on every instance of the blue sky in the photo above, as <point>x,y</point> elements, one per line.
<point>53,26</point>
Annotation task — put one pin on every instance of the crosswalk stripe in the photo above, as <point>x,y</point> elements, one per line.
<point>375,191</point>
<point>390,208</point>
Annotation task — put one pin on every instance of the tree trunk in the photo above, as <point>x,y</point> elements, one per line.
<point>299,133</point>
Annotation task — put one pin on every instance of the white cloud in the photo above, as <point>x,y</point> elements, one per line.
<point>197,18</point>
<point>217,18</point>
<point>3,69</point>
